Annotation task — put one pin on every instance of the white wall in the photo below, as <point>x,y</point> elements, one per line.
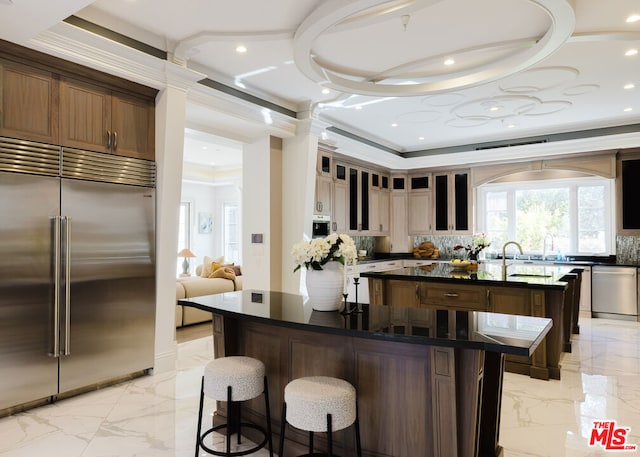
<point>256,184</point>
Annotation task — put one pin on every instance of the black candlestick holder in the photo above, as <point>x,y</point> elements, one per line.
<point>347,306</point>
<point>356,283</point>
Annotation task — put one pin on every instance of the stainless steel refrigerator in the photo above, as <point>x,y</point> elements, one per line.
<point>77,270</point>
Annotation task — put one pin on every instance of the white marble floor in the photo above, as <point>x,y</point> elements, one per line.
<point>155,416</point>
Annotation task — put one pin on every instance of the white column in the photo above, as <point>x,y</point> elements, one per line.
<point>256,214</point>
<point>298,190</point>
<point>170,122</point>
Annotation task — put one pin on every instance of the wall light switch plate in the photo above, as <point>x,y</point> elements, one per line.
<point>256,238</point>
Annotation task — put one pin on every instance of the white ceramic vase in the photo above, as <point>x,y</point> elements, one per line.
<point>325,287</point>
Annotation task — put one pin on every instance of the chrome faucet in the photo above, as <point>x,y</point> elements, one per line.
<point>504,257</point>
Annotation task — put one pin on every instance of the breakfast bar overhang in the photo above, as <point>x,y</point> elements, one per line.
<point>428,381</point>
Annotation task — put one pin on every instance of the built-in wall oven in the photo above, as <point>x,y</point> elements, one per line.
<point>321,226</point>
<point>614,292</point>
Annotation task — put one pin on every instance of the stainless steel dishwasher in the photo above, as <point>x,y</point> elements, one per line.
<point>614,292</point>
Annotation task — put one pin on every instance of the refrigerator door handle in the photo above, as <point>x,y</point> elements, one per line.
<point>57,222</point>
<point>67,287</point>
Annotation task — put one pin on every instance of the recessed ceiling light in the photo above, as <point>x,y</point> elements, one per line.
<point>633,18</point>
<point>449,62</point>
<point>394,125</point>
<point>241,49</point>
<point>629,86</point>
<point>358,107</point>
<point>631,52</point>
<point>510,126</point>
<point>421,138</point>
<point>204,148</point>
<point>626,110</point>
<point>326,91</point>
<point>494,108</point>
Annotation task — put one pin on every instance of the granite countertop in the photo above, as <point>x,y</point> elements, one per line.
<point>494,332</point>
<point>519,275</point>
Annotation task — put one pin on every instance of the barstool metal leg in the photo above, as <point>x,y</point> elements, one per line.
<point>310,442</point>
<point>228,420</point>
<point>200,417</point>
<point>283,426</point>
<point>330,435</point>
<point>268,412</point>
<point>357,427</point>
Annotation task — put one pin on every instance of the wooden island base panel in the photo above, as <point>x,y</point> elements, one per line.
<point>429,382</point>
<point>541,291</point>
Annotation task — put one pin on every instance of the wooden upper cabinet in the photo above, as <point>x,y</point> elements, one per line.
<point>85,116</point>
<point>28,103</point>
<point>98,119</point>
<point>133,126</point>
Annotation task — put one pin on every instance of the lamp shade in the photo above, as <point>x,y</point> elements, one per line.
<point>186,253</point>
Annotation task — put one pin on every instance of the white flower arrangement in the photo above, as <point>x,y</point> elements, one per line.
<point>317,252</point>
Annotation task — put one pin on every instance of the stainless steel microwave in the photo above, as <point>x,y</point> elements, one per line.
<point>321,226</point>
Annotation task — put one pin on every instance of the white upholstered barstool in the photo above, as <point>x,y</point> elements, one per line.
<point>320,404</point>
<point>234,379</point>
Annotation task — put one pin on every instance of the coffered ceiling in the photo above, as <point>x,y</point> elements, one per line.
<point>410,78</point>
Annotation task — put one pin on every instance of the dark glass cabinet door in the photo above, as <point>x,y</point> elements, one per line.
<point>461,202</point>
<point>630,179</point>
<point>353,199</point>
<point>442,202</point>
<point>452,202</point>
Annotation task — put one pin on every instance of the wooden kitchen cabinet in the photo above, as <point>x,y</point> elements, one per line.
<point>340,202</point>
<point>28,103</point>
<point>455,296</point>
<point>400,241</point>
<point>420,214</point>
<point>99,119</point>
<point>403,294</point>
<point>379,202</point>
<point>452,203</point>
<point>324,193</point>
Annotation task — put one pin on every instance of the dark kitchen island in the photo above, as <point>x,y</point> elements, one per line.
<point>429,381</point>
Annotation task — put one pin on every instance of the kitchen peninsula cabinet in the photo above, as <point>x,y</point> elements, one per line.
<point>452,203</point>
<point>28,103</point>
<point>530,291</point>
<point>453,362</point>
<point>97,118</point>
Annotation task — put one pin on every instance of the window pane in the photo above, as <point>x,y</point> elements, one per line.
<point>572,215</point>
<point>183,233</point>
<point>497,223</point>
<point>591,217</point>
<point>542,212</point>
<point>232,233</point>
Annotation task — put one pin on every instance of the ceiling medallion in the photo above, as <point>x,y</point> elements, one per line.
<point>407,79</point>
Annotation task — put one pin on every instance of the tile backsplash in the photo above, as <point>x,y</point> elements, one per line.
<point>445,243</point>
<point>628,249</point>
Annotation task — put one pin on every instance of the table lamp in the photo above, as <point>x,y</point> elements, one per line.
<point>185,265</point>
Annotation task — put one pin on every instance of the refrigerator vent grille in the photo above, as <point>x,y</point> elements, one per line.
<point>95,166</point>
<point>20,156</point>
